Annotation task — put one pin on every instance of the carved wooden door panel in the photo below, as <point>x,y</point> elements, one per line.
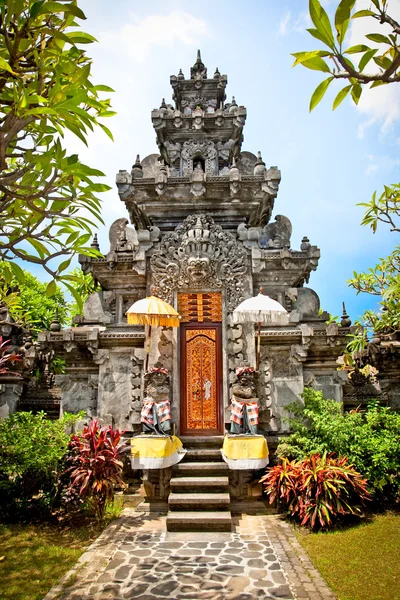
<point>201,363</point>
<point>201,410</point>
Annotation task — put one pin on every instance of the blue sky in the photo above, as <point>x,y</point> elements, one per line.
<point>330,161</point>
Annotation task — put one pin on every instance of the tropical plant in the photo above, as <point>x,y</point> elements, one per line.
<point>84,285</point>
<point>7,358</point>
<point>97,455</point>
<point>32,452</point>
<point>46,195</point>
<point>316,490</point>
<point>378,64</point>
<point>370,440</point>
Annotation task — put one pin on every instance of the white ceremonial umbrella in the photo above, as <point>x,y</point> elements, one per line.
<point>260,309</point>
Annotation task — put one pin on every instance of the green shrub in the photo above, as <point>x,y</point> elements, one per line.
<point>370,440</point>
<point>32,452</point>
<point>317,490</point>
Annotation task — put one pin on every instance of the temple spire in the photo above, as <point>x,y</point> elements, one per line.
<point>198,71</point>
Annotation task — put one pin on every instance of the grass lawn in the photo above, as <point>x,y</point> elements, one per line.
<point>361,562</point>
<point>34,557</point>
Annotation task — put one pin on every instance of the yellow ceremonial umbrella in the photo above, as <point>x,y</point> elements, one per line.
<point>154,312</point>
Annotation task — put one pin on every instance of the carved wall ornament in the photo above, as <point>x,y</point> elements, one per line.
<point>123,238</point>
<point>205,150</point>
<point>199,254</point>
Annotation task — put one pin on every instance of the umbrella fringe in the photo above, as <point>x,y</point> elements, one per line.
<point>153,320</point>
<point>272,318</point>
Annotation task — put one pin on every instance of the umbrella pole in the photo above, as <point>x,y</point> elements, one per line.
<point>148,349</point>
<point>258,346</point>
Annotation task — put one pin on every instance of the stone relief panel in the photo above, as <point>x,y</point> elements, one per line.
<point>200,255</point>
<point>205,150</point>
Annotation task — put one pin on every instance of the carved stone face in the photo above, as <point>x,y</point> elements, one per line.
<point>198,268</point>
<point>246,380</point>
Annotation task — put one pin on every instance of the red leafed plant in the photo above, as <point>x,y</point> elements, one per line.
<point>7,357</point>
<point>316,490</point>
<point>96,456</point>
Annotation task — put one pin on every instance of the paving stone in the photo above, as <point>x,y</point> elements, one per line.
<point>137,591</point>
<point>256,562</point>
<point>257,574</point>
<point>165,589</point>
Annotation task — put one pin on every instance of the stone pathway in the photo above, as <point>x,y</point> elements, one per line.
<point>136,558</point>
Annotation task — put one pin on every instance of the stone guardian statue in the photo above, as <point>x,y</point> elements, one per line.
<point>244,405</point>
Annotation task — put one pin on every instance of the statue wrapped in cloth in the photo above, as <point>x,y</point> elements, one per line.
<point>244,406</point>
<point>156,411</point>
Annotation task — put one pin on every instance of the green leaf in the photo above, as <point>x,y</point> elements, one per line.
<point>51,288</point>
<point>315,33</point>
<point>378,37</point>
<point>303,56</point>
<point>356,49</point>
<point>4,66</point>
<point>35,8</point>
<point>319,93</point>
<point>342,18</point>
<point>366,58</point>
<point>341,96</point>
<point>316,64</point>
<point>102,88</point>
<point>356,91</point>
<point>17,271</point>
<point>39,247</point>
<point>76,295</point>
<point>363,13</point>
<point>80,37</point>
<point>383,62</point>
<point>321,21</point>
<point>106,130</point>
<point>377,84</point>
<point>64,265</point>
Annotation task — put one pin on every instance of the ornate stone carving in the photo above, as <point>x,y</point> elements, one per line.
<point>277,234</point>
<point>123,238</point>
<point>205,150</point>
<point>198,180</point>
<point>199,254</point>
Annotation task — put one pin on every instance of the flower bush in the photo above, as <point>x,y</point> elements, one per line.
<point>96,455</point>
<point>370,440</point>
<point>317,490</point>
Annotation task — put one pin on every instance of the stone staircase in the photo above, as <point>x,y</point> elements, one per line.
<point>199,499</point>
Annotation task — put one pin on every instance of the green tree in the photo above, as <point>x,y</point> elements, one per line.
<point>28,304</point>
<point>48,202</point>
<point>384,279</point>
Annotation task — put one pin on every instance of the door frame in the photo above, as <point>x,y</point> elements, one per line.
<point>183,380</point>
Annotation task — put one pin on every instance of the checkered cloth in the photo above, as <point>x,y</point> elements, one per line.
<point>163,409</point>
<point>237,409</point>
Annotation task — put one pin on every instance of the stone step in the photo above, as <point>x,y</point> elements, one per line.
<point>199,521</point>
<point>209,441</point>
<point>198,502</point>
<point>187,469</point>
<point>199,484</point>
<point>203,455</point>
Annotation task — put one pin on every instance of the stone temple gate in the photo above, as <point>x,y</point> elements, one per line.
<point>201,236</point>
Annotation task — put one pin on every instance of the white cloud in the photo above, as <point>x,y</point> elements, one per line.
<point>283,25</point>
<point>381,164</point>
<point>157,30</point>
<point>297,24</point>
<point>382,104</point>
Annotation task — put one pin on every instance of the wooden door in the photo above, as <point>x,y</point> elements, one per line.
<point>201,365</point>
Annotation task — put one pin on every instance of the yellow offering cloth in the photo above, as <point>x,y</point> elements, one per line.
<point>243,452</point>
<point>153,452</point>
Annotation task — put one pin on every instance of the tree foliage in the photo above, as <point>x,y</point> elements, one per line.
<point>28,304</point>
<point>48,199</point>
<point>377,64</point>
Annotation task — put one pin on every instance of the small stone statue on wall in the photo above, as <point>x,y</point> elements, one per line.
<point>156,410</point>
<point>244,407</point>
